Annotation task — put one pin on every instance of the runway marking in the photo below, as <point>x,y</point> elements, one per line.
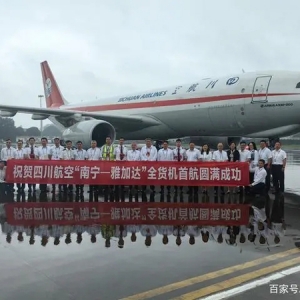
<point>253,284</point>
<point>212,275</point>
<point>220,286</point>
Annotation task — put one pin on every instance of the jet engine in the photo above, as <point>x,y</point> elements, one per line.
<point>86,131</point>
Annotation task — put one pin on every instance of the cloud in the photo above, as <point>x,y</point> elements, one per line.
<point>109,48</point>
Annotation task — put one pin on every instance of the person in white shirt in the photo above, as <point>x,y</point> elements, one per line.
<point>120,154</point>
<point>260,174</point>
<point>44,153</point>
<point>133,155</point>
<point>165,154</point>
<point>121,150</point>
<point>206,156</point>
<point>278,167</point>
<point>94,153</point>
<point>8,152</point>
<point>56,154</point>
<point>32,153</point>
<point>179,155</point>
<point>148,153</point>
<point>2,178</point>
<point>68,154</point>
<point>266,154</point>
<point>79,154</point>
<point>245,156</point>
<point>193,154</point>
<point>20,153</point>
<point>219,156</point>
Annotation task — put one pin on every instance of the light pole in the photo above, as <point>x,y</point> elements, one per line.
<point>41,124</point>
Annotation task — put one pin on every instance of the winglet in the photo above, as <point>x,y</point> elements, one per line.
<point>53,95</point>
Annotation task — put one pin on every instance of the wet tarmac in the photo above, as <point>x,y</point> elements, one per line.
<point>80,267</point>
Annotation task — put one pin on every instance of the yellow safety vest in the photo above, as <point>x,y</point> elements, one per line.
<point>109,151</point>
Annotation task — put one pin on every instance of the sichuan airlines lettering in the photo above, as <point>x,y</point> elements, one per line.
<point>144,96</point>
<point>255,104</point>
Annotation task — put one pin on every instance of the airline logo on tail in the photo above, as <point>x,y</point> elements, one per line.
<point>48,87</point>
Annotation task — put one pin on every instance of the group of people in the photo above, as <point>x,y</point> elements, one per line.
<point>262,162</point>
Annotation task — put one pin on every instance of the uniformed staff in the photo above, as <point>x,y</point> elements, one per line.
<point>245,156</point>
<point>68,154</point>
<point>165,154</point>
<point>20,153</point>
<point>108,154</point>
<point>265,154</point>
<point>32,153</point>
<point>79,154</point>
<point>2,178</point>
<point>193,154</point>
<point>218,156</point>
<point>278,167</point>
<point>179,155</point>
<point>120,154</point>
<point>56,154</point>
<point>44,153</point>
<point>148,153</point>
<point>260,174</point>
<point>108,150</point>
<point>206,156</point>
<point>133,155</point>
<point>93,153</point>
<point>8,153</point>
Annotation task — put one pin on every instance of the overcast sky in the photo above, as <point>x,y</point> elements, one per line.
<point>100,48</point>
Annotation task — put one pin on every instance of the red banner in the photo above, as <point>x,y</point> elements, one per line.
<point>86,213</point>
<point>128,173</point>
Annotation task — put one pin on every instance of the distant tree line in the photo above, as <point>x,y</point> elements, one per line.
<point>9,130</point>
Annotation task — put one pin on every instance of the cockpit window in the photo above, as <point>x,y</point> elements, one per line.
<point>298,85</point>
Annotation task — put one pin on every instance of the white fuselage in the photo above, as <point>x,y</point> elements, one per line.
<point>250,104</point>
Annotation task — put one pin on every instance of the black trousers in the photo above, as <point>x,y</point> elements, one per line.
<point>278,178</point>
<point>268,178</point>
<point>258,189</point>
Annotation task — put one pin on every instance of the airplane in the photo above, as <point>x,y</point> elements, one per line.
<point>219,109</point>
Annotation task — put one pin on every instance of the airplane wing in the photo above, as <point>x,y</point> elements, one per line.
<point>125,122</point>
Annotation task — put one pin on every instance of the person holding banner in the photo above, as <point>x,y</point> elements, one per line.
<point>260,174</point>
<point>179,155</point>
<point>2,179</point>
<point>219,156</point>
<point>8,153</point>
<point>20,153</point>
<point>44,153</point>
<point>56,154</point>
<point>193,154</point>
<point>79,154</point>
<point>233,156</point>
<point>32,153</point>
<point>120,153</point>
<point>206,156</point>
<point>108,154</point>
<point>148,153</point>
<point>93,153</point>
<point>165,154</point>
<point>133,155</point>
<point>68,154</point>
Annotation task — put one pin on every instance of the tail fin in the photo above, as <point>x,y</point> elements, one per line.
<point>53,95</point>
